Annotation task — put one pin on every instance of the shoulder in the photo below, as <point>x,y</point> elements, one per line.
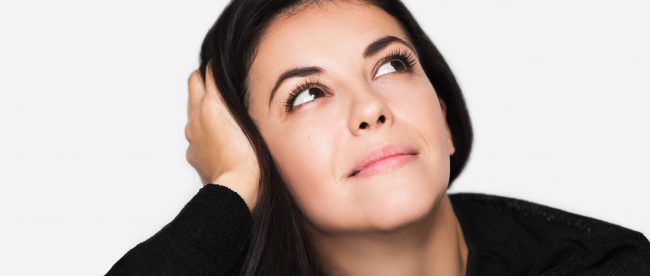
<point>541,239</point>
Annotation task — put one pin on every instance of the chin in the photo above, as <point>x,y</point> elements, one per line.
<point>401,207</point>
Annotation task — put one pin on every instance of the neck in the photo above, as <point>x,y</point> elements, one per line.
<point>433,245</point>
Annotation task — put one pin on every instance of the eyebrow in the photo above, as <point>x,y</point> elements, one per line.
<point>382,43</point>
<point>294,73</point>
<point>371,50</point>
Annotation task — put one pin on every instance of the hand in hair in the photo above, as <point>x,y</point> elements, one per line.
<point>218,148</point>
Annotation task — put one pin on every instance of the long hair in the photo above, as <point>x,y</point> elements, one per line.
<point>279,243</point>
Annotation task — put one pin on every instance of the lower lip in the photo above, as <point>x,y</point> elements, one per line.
<point>386,165</point>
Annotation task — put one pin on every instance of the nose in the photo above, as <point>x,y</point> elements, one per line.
<point>368,112</point>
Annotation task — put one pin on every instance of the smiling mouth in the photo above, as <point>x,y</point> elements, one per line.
<point>384,164</point>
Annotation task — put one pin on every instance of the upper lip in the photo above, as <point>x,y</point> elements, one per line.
<point>379,154</point>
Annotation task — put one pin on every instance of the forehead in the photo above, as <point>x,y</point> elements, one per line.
<point>317,27</point>
<point>330,15</point>
<point>319,34</point>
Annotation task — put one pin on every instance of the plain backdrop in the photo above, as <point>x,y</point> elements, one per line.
<point>93,98</point>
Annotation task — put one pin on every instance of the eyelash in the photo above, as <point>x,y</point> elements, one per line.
<point>405,56</point>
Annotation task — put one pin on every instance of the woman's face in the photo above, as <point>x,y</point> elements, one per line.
<point>357,86</point>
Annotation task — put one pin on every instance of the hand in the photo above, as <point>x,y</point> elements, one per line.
<point>219,150</point>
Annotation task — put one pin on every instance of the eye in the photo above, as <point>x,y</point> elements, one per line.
<point>396,61</point>
<point>391,66</point>
<point>307,95</point>
<point>304,93</point>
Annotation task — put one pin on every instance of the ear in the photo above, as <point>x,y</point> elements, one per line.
<point>450,140</point>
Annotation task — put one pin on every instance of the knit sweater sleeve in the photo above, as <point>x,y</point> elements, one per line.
<point>209,236</point>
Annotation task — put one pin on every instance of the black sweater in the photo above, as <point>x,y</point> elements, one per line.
<point>505,236</point>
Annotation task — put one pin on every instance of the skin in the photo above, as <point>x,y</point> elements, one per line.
<point>218,148</point>
<point>399,222</point>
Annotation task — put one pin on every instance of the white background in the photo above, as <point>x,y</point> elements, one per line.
<point>93,105</point>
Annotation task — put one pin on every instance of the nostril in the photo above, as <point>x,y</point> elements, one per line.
<point>382,119</point>
<point>363,125</point>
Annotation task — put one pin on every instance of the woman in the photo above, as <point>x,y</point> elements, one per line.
<point>327,134</point>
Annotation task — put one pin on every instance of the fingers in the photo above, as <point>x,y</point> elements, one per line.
<point>211,87</point>
<point>213,105</point>
<point>196,91</point>
<point>189,156</point>
<point>204,104</point>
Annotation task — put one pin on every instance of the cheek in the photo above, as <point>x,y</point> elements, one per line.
<point>422,116</point>
<point>420,109</point>
<point>305,154</point>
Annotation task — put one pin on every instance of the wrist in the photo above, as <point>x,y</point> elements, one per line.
<point>244,184</point>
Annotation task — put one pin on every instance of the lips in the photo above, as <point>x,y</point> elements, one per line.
<point>396,154</point>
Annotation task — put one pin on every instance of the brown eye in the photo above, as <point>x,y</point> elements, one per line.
<point>394,65</point>
<point>307,95</point>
